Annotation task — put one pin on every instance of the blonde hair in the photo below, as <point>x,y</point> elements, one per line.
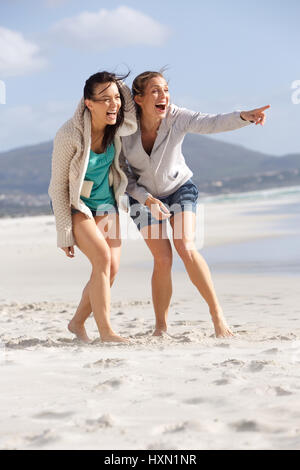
<point>140,82</point>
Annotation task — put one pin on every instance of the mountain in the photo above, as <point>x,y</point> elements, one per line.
<point>218,167</point>
<point>211,159</point>
<point>26,169</point>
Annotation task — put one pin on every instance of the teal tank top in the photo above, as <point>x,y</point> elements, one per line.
<point>102,194</point>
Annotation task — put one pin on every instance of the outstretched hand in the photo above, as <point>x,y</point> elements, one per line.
<point>255,115</point>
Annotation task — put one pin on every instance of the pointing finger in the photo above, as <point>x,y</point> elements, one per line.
<point>263,108</point>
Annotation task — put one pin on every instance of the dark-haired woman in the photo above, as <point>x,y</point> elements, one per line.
<point>86,188</point>
<point>159,179</point>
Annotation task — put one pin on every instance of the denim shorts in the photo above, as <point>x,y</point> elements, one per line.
<point>184,199</point>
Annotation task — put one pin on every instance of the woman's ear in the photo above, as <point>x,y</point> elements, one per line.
<point>88,104</point>
<point>138,99</point>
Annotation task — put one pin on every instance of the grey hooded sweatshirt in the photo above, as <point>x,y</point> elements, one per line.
<point>165,170</point>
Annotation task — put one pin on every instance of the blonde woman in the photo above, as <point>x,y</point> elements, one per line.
<point>160,188</point>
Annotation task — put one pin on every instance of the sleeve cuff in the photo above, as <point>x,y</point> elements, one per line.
<point>143,198</point>
<point>65,239</point>
<point>141,195</point>
<point>242,121</point>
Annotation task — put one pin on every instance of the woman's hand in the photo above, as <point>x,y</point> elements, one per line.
<point>255,115</point>
<point>69,250</point>
<point>157,208</point>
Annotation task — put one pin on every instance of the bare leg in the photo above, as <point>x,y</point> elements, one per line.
<point>92,243</point>
<point>183,225</point>
<point>161,249</point>
<point>84,308</point>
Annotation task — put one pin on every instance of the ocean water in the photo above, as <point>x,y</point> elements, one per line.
<point>276,194</point>
<point>278,254</point>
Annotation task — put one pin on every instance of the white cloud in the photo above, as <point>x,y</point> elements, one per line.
<point>26,125</point>
<point>17,55</point>
<point>106,29</point>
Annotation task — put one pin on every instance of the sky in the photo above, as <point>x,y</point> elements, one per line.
<point>221,56</point>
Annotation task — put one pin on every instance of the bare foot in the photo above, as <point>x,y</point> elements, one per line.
<point>79,330</point>
<point>113,338</point>
<point>222,330</point>
<point>160,330</point>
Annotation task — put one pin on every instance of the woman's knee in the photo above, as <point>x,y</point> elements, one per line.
<point>163,261</point>
<point>185,249</point>
<point>101,260</point>
<point>114,268</point>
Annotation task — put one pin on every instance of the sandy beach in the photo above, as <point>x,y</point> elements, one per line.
<point>186,390</point>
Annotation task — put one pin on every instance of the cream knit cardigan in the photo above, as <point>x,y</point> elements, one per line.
<point>70,157</point>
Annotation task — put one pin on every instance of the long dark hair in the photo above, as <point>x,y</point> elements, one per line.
<point>88,93</point>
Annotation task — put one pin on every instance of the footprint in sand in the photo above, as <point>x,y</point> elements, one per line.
<point>53,415</point>
<point>288,337</point>
<point>184,339</point>
<point>28,343</point>
<point>280,391</point>
<point>257,366</point>
<point>20,344</point>
<point>105,363</point>
<point>165,395</point>
<point>229,377</point>
<point>110,384</point>
<point>142,333</point>
<point>45,437</point>
<point>67,340</point>
<point>223,345</point>
<point>221,382</point>
<point>194,401</point>
<point>231,362</point>
<point>179,427</point>
<point>271,351</point>
<point>105,421</point>
<point>246,426</point>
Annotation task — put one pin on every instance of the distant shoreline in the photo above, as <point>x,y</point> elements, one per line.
<point>13,206</point>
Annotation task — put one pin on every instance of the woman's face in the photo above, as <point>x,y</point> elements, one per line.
<point>105,104</point>
<point>155,100</point>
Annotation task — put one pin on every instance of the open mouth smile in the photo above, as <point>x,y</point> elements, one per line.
<point>161,107</point>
